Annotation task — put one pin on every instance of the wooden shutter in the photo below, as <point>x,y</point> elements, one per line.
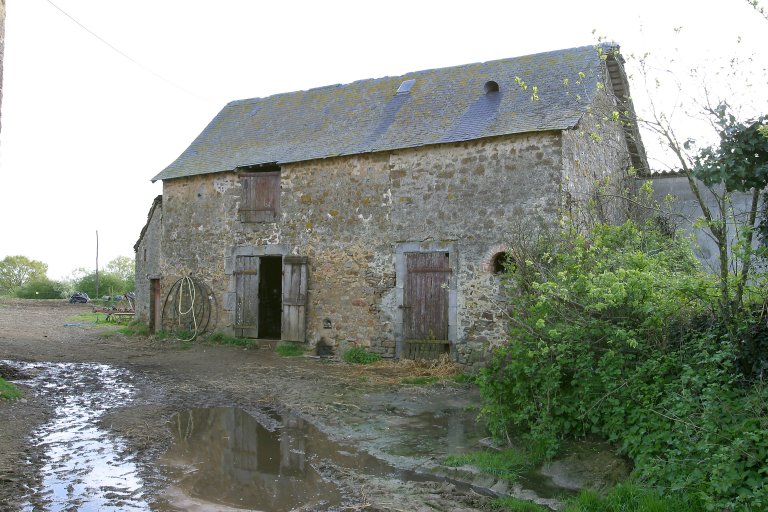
<point>294,299</point>
<point>425,308</point>
<point>260,196</point>
<point>247,296</point>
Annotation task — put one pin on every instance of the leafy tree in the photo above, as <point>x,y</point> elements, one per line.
<point>123,267</point>
<point>16,271</point>
<point>109,284</point>
<point>740,164</point>
<point>117,279</point>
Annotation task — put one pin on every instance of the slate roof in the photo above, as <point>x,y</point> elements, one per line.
<point>443,105</point>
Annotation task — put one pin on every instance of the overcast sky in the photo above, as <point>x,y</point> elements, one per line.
<point>86,123</point>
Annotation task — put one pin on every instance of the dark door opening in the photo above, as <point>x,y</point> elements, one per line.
<point>270,297</point>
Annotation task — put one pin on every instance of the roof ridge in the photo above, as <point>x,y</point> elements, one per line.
<point>246,101</point>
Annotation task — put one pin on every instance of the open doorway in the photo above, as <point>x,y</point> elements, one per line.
<point>270,297</point>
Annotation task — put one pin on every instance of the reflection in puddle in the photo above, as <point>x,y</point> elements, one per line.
<point>224,458</point>
<point>84,467</point>
<point>229,458</point>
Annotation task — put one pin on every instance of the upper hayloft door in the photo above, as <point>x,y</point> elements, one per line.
<point>425,305</point>
<point>294,298</point>
<point>247,293</point>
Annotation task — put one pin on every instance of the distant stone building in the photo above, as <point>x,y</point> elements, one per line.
<point>378,213</point>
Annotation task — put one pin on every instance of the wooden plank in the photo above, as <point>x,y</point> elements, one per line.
<point>247,296</point>
<point>294,299</point>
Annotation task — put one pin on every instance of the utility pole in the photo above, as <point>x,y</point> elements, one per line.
<point>97,264</point>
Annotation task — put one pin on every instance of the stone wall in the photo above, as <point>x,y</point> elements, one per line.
<point>148,258</point>
<point>354,216</point>
<point>686,211</point>
<point>595,152</point>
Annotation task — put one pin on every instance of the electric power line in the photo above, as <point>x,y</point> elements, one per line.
<point>126,56</point>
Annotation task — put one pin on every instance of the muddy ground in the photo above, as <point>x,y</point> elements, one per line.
<point>171,377</point>
<point>349,404</point>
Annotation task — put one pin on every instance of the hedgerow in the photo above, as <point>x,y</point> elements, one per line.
<point>616,334</point>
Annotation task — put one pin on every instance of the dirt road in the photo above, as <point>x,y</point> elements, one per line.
<point>359,410</point>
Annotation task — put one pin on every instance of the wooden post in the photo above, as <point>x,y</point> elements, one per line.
<point>97,264</point>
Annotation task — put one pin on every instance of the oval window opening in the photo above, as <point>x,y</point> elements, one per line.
<point>491,86</point>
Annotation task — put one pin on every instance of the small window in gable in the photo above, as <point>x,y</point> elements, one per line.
<point>260,199</point>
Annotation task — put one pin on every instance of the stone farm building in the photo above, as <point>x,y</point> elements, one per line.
<point>376,213</point>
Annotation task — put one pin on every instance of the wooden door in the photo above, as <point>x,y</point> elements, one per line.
<point>247,296</point>
<point>294,299</point>
<point>425,305</point>
<point>155,305</point>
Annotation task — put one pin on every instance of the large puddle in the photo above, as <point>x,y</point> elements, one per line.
<point>224,456</point>
<point>85,467</point>
<point>225,459</point>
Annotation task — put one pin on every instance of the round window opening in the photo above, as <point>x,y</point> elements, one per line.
<point>501,262</point>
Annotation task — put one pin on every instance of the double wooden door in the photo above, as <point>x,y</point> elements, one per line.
<point>271,297</point>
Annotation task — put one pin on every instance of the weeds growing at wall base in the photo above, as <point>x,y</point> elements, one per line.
<point>287,349</point>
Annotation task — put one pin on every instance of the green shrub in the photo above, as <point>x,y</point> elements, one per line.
<point>42,288</point>
<point>287,349</point>
<point>613,335</point>
<point>8,391</point>
<point>358,355</point>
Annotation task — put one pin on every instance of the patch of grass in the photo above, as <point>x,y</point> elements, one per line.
<point>358,355</point>
<point>287,349</point>
<point>220,338</point>
<point>629,497</point>
<point>8,391</point>
<point>88,317</point>
<point>135,328</point>
<point>510,504</point>
<point>183,335</point>
<point>507,464</point>
<point>420,381</point>
<point>463,378</point>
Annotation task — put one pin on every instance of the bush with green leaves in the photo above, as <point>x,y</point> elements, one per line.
<point>614,334</point>
<point>42,288</point>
